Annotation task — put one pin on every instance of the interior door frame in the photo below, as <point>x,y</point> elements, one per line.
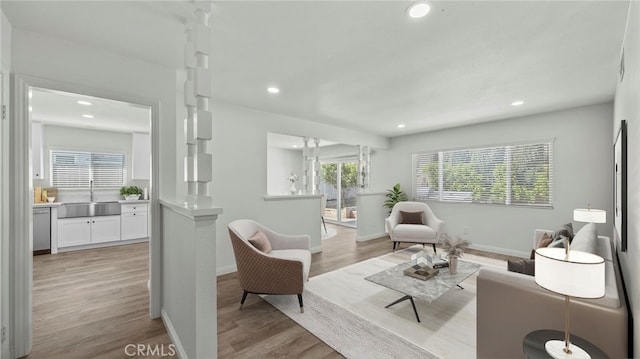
<point>20,198</point>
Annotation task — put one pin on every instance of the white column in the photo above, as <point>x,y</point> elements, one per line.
<point>360,179</point>
<point>507,174</point>
<point>198,162</point>
<point>316,180</point>
<point>367,168</point>
<point>440,174</point>
<point>305,166</point>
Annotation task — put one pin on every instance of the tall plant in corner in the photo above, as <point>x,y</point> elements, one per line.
<point>394,196</point>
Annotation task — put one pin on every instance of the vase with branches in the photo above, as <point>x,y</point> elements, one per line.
<point>293,178</point>
<point>454,247</point>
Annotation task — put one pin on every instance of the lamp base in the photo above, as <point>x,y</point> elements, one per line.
<point>555,348</point>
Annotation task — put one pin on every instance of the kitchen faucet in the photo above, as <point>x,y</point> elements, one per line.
<point>91,190</point>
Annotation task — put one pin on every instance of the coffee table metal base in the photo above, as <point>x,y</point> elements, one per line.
<point>413,304</point>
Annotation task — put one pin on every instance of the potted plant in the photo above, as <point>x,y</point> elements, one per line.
<point>455,248</point>
<point>394,196</point>
<point>131,192</point>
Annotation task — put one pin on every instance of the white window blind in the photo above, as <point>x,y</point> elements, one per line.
<point>519,174</point>
<point>73,169</point>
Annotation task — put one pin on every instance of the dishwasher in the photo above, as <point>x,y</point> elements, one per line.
<point>41,230</point>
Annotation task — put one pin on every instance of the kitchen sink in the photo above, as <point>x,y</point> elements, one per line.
<point>88,209</point>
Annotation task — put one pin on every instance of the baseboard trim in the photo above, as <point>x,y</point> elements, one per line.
<point>226,270</point>
<point>370,237</point>
<point>173,335</point>
<point>499,250</point>
<point>103,244</point>
<point>317,249</point>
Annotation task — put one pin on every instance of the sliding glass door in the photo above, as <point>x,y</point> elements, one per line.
<point>339,181</point>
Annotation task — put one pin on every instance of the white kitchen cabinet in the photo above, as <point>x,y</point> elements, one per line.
<point>36,150</point>
<point>74,231</point>
<point>88,230</point>
<point>105,229</point>
<point>134,221</point>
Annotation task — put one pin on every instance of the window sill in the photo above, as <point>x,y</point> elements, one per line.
<point>290,197</point>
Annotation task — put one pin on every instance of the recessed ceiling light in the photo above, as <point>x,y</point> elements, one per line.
<point>273,89</point>
<point>30,93</point>
<point>294,146</point>
<point>401,126</point>
<point>87,116</point>
<point>517,103</point>
<point>30,109</point>
<point>86,103</point>
<point>418,10</point>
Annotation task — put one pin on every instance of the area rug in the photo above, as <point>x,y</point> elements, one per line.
<point>347,312</point>
<point>330,233</point>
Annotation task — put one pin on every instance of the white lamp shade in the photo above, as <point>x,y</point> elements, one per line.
<point>582,276</point>
<point>589,215</point>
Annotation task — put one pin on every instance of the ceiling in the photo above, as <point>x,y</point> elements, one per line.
<point>62,108</point>
<point>363,64</point>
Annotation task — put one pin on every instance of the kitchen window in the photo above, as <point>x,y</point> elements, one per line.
<point>518,174</point>
<point>73,169</point>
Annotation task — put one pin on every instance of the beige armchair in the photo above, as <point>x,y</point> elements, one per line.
<point>423,228</point>
<point>283,270</point>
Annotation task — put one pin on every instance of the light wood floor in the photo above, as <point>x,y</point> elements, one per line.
<point>260,330</point>
<point>93,303</point>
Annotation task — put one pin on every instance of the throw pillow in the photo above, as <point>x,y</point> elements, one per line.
<point>564,230</point>
<point>524,266</point>
<point>586,239</point>
<point>261,242</point>
<point>411,217</point>
<point>544,241</point>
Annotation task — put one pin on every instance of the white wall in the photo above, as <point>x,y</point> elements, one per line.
<point>5,63</point>
<point>240,173</point>
<point>582,174</point>
<point>371,215</point>
<point>627,107</point>
<point>51,62</point>
<point>61,61</point>
<point>338,151</point>
<point>91,140</point>
<point>280,164</point>
<point>189,307</point>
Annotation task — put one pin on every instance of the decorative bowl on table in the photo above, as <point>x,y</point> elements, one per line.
<point>51,199</point>
<point>131,197</point>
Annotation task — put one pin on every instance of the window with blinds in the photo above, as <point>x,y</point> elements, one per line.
<point>519,174</point>
<point>72,169</point>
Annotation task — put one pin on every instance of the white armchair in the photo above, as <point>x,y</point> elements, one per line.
<point>423,228</point>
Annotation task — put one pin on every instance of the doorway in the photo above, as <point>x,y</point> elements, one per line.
<point>339,181</point>
<point>22,197</point>
<point>84,149</point>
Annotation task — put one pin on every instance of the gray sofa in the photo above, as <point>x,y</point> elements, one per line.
<point>511,305</point>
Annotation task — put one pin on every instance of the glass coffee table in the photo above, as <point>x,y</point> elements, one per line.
<point>425,290</point>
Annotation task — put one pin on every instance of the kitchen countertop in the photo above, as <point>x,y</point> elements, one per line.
<point>124,201</point>
<point>48,204</point>
<point>56,204</point>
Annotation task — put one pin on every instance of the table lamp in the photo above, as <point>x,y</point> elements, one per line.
<point>572,274</point>
<point>589,215</point>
